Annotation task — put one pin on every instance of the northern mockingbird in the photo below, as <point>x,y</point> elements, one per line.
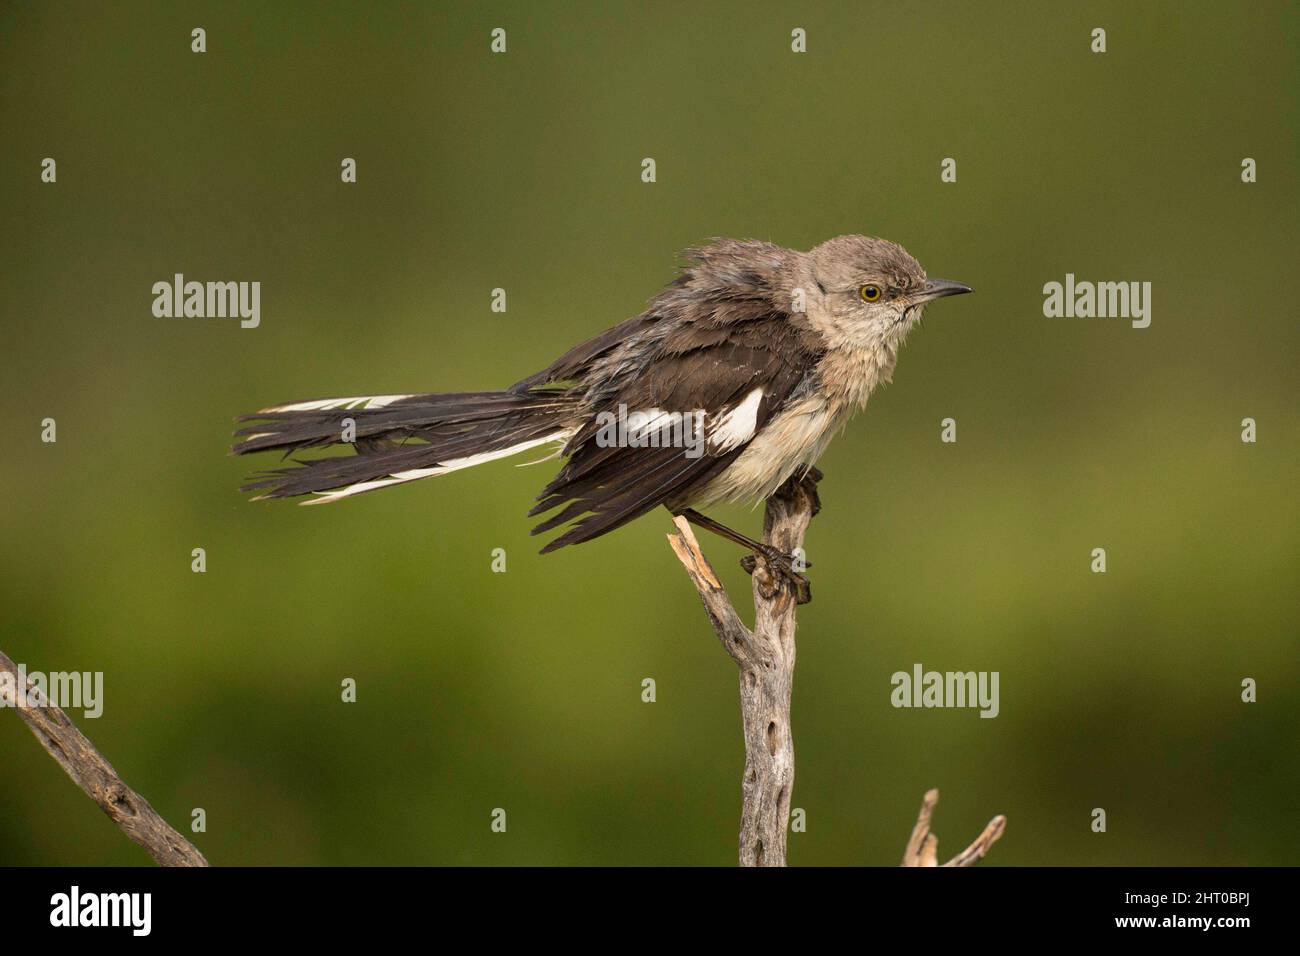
<point>734,378</point>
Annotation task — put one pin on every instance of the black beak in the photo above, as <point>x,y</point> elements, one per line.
<point>938,288</point>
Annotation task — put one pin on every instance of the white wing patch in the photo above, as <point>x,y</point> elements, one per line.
<point>414,474</point>
<point>736,425</point>
<point>792,439</point>
<point>640,424</point>
<point>359,402</point>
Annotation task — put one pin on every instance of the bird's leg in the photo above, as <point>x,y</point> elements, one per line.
<point>808,482</point>
<point>779,562</point>
<point>708,524</point>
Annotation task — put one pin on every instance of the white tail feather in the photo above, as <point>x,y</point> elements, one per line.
<point>358,403</point>
<point>414,474</point>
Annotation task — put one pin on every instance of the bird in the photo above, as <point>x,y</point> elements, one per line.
<point>733,380</point>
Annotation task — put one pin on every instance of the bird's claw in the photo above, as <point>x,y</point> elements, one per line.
<point>778,566</point>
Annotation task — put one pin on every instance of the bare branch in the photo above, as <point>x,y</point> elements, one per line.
<point>92,773</point>
<point>766,658</point>
<point>923,846</point>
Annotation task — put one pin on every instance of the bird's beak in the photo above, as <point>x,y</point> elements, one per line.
<point>938,288</point>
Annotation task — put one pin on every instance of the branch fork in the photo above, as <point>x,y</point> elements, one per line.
<point>766,658</point>
<point>923,846</point>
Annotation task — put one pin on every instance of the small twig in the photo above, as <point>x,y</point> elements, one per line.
<point>74,752</point>
<point>766,657</point>
<point>923,846</point>
<point>735,637</point>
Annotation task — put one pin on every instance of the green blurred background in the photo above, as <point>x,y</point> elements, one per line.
<point>522,690</point>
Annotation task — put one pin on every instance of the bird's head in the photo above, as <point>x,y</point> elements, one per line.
<point>867,292</point>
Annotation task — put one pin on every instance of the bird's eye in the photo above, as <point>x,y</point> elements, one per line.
<point>869,293</point>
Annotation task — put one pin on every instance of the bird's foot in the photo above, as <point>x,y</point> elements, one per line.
<point>776,567</point>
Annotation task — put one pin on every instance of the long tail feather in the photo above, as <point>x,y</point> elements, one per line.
<point>398,438</point>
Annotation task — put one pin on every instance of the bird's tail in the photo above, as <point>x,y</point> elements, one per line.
<point>398,438</point>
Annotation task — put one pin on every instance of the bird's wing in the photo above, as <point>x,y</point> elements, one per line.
<point>724,284</point>
<point>738,380</point>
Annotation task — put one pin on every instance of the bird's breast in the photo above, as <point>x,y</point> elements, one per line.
<point>793,438</point>
<point>796,436</point>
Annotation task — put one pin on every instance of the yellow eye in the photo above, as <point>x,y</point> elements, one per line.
<point>869,293</point>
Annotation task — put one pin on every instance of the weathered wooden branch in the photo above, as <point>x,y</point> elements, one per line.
<point>923,847</point>
<point>74,752</point>
<point>766,657</point>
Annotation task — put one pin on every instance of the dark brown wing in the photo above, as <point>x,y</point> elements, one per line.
<point>574,364</point>
<point>725,284</point>
<point>603,486</point>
